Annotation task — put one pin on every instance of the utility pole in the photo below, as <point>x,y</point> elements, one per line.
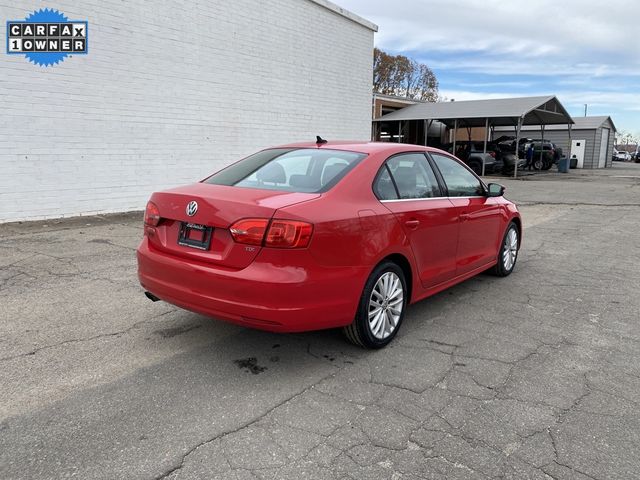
<point>585,109</point>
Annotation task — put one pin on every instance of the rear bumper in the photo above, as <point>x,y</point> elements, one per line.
<point>269,294</point>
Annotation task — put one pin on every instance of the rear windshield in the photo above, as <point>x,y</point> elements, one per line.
<point>309,170</point>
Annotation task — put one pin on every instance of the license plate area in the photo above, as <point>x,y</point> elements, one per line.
<point>195,236</point>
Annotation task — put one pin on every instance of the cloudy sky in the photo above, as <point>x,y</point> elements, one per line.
<point>582,51</point>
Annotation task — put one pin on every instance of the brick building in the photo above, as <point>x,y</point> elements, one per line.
<point>171,92</point>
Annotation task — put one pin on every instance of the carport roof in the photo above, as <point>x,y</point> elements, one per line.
<point>500,112</point>
<point>580,123</point>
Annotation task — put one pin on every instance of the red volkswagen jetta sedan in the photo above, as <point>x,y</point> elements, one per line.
<point>322,235</point>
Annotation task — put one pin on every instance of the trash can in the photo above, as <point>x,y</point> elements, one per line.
<point>563,165</point>
<point>573,163</point>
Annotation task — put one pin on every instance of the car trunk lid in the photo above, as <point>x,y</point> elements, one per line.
<point>218,207</point>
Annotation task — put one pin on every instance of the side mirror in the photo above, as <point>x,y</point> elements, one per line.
<point>495,190</point>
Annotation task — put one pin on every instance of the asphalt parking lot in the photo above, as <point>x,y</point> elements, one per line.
<point>532,376</point>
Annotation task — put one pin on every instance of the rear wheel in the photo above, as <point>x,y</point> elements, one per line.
<point>538,164</point>
<point>508,253</point>
<point>381,308</point>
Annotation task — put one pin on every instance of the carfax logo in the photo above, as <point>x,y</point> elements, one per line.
<point>46,37</point>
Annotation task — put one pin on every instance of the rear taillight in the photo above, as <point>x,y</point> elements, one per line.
<point>152,215</point>
<point>288,234</point>
<point>493,154</point>
<point>250,230</point>
<point>280,233</point>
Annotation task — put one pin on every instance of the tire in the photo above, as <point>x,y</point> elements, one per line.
<point>547,164</point>
<point>385,289</point>
<point>538,164</point>
<point>508,252</point>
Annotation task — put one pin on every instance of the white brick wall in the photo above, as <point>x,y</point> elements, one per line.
<point>170,92</point>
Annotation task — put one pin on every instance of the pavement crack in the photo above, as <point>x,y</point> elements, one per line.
<point>573,469</point>
<point>222,435</point>
<point>401,387</point>
<point>81,340</point>
<point>455,464</point>
<point>109,242</point>
<point>444,344</point>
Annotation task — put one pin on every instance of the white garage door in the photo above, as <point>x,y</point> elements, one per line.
<point>604,148</point>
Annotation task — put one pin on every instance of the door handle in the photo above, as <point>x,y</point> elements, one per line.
<point>464,216</point>
<point>412,223</point>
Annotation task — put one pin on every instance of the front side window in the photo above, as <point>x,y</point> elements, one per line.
<point>307,170</point>
<point>460,181</point>
<point>406,176</point>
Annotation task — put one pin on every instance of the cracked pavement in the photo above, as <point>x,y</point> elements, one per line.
<point>533,376</point>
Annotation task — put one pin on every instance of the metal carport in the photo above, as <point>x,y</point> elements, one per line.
<point>502,112</point>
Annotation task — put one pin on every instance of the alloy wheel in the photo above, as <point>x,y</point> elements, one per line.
<point>385,305</point>
<point>510,249</point>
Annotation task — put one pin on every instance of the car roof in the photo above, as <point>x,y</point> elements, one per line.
<point>361,146</point>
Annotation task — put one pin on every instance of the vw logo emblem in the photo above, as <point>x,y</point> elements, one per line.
<point>192,208</point>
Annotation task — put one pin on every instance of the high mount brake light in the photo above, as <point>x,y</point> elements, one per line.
<point>280,233</point>
<point>152,215</point>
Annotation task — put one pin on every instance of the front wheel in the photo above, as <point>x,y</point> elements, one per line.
<point>508,253</point>
<point>381,308</point>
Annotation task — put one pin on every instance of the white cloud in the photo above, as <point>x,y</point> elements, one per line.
<point>576,30</point>
<point>584,51</point>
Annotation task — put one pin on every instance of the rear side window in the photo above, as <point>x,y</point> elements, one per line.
<point>406,176</point>
<point>293,170</point>
<point>383,186</point>
<point>460,181</point>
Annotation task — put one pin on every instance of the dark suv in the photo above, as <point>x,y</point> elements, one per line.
<point>550,154</point>
<point>472,154</point>
<point>506,158</point>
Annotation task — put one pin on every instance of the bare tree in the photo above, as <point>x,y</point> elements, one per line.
<point>427,84</point>
<point>404,77</point>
